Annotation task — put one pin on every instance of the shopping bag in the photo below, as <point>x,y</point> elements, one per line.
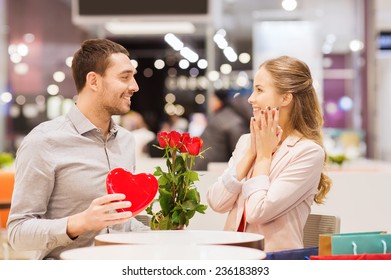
<point>354,257</point>
<point>295,254</point>
<point>354,243</point>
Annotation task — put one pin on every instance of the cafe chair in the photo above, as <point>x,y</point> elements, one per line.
<point>316,225</point>
<point>319,224</point>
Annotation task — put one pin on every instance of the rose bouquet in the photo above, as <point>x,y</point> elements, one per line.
<point>179,198</point>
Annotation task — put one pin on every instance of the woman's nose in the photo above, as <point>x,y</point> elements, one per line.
<point>250,99</point>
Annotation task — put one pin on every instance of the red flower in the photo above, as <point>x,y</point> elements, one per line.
<point>184,137</point>
<point>174,139</point>
<point>193,145</point>
<point>162,137</point>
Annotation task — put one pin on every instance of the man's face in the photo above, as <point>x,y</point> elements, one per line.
<point>118,85</point>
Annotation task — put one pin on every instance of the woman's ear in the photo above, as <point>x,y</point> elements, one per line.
<point>92,80</point>
<point>287,99</point>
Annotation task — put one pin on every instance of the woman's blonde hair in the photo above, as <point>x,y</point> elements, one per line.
<point>291,75</point>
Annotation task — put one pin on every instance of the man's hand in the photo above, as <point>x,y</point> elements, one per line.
<point>100,214</point>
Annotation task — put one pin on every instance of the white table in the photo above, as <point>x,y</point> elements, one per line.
<point>163,252</point>
<point>183,237</point>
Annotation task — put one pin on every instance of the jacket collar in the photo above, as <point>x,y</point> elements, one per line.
<point>285,147</point>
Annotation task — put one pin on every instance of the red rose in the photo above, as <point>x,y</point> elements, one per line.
<point>162,137</point>
<point>193,145</point>
<point>174,139</point>
<point>184,137</point>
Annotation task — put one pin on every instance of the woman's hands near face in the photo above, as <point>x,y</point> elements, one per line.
<point>265,136</point>
<point>265,132</point>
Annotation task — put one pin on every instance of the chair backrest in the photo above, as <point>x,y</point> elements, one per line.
<point>145,219</point>
<point>319,224</point>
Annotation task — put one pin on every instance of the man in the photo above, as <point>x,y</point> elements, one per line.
<point>59,199</point>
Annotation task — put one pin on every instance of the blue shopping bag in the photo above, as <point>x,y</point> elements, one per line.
<point>296,254</point>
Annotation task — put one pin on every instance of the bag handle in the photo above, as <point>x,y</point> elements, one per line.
<point>382,241</point>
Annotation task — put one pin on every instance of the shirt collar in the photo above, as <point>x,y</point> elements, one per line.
<point>83,125</point>
<point>113,128</point>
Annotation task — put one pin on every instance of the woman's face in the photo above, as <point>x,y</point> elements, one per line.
<point>264,93</point>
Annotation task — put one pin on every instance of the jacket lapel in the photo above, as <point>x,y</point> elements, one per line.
<point>284,149</point>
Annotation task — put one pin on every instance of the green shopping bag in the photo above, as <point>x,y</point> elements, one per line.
<point>354,243</point>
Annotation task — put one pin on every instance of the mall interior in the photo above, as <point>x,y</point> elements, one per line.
<point>344,42</point>
<point>347,45</point>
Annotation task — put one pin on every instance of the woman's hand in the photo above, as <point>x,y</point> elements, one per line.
<point>267,133</point>
<point>248,158</point>
<point>100,214</point>
<point>267,137</point>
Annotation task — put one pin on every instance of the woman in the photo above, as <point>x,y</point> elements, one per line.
<point>275,172</point>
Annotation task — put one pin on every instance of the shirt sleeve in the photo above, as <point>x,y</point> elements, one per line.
<point>27,229</point>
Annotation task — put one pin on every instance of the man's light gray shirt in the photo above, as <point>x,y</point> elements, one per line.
<point>61,166</point>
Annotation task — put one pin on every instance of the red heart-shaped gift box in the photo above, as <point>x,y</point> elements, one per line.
<point>139,189</point>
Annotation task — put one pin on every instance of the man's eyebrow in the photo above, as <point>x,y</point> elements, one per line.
<point>133,72</point>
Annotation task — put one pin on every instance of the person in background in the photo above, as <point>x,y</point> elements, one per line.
<point>275,172</point>
<point>60,200</point>
<point>225,126</point>
<point>134,122</point>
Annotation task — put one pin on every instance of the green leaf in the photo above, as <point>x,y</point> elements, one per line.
<point>158,171</point>
<point>190,214</point>
<point>163,180</point>
<point>193,195</point>
<point>189,205</point>
<point>180,165</point>
<point>166,202</point>
<point>175,217</point>
<point>193,176</point>
<point>183,218</point>
<point>168,164</point>
<point>201,208</point>
<point>165,223</point>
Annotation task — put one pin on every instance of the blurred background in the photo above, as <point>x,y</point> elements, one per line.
<point>185,51</point>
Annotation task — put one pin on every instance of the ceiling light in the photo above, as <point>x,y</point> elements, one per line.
<point>226,69</point>
<point>230,54</point>
<point>184,64</point>
<point>6,97</point>
<point>244,58</point>
<point>173,41</point>
<point>148,28</point>
<point>189,54</point>
<point>220,41</point>
<point>356,45</point>
<point>202,63</point>
<point>159,64</point>
<point>59,76</point>
<point>289,5</point>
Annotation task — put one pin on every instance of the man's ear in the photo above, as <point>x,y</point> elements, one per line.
<point>92,80</point>
<point>287,99</point>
